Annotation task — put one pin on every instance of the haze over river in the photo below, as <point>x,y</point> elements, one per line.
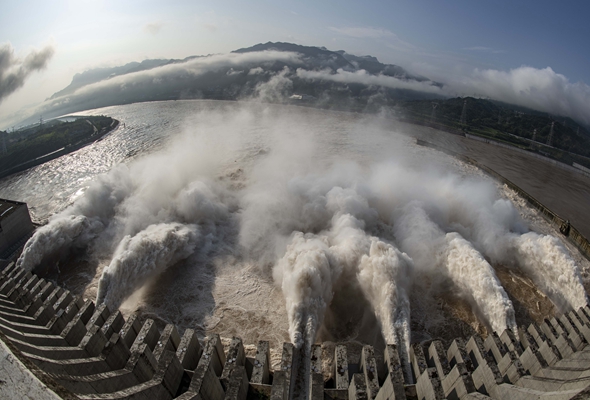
<point>288,223</point>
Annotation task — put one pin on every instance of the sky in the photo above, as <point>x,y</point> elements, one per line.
<point>467,43</point>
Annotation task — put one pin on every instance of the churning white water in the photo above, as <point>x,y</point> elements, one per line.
<point>138,258</point>
<point>268,221</point>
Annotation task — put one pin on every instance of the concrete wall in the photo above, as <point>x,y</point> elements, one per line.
<point>586,170</point>
<point>17,380</point>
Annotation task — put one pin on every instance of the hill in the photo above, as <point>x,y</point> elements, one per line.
<point>219,77</point>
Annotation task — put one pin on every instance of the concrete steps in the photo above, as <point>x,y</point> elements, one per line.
<point>94,353</point>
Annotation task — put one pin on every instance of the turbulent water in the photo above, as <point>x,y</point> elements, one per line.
<point>285,223</point>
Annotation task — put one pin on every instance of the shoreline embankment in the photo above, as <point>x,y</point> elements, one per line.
<point>60,152</point>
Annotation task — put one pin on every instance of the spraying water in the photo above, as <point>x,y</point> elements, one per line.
<point>473,276</point>
<point>306,276</point>
<point>143,256</point>
<point>309,211</point>
<point>494,226</point>
<point>77,226</point>
<point>65,234</point>
<point>384,276</point>
<point>546,262</point>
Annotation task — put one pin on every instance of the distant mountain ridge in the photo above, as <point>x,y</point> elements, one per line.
<point>314,58</point>
<point>98,74</point>
<point>339,58</point>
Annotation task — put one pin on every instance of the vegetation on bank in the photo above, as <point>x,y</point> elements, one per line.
<point>32,142</point>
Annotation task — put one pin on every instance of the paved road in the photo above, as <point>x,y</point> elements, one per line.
<point>566,193</point>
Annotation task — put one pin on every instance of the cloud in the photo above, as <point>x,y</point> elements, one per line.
<point>538,89</point>
<point>256,71</point>
<point>192,69</point>
<point>14,71</point>
<point>232,72</point>
<point>153,28</point>
<point>363,77</point>
<point>363,32</point>
<point>276,88</point>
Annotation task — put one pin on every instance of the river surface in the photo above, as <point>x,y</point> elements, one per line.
<point>233,296</point>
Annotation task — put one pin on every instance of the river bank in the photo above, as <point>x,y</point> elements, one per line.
<point>97,136</point>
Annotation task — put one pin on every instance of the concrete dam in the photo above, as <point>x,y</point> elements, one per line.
<point>78,350</point>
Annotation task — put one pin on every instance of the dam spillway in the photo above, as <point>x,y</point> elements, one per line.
<point>82,351</point>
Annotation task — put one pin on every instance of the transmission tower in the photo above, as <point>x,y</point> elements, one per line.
<point>464,113</point>
<point>433,114</point>
<point>41,120</point>
<point>550,138</point>
<point>535,135</point>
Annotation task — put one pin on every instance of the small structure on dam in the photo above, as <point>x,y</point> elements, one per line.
<point>15,228</point>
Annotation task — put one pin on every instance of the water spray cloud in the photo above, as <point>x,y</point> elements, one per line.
<point>263,189</point>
